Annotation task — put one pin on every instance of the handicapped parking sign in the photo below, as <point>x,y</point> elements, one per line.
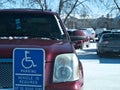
<point>28,69</point>
<point>27,62</point>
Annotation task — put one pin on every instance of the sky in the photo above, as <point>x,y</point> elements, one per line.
<point>96,9</point>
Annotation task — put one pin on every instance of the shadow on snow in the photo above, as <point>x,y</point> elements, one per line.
<point>90,54</point>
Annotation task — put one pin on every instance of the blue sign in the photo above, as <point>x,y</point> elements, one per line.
<point>28,69</point>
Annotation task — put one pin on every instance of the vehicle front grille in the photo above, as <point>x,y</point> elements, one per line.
<point>6,73</point>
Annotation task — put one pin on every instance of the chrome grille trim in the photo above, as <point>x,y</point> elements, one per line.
<point>6,73</point>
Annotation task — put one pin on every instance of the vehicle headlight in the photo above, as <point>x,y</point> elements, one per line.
<point>66,68</point>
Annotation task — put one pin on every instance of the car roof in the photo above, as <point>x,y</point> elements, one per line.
<point>110,33</point>
<point>26,10</point>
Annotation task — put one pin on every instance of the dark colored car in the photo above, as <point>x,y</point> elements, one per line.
<point>109,44</point>
<point>83,41</point>
<point>23,32</point>
<point>106,31</point>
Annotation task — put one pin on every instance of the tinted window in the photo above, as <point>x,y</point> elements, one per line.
<point>33,25</point>
<point>111,36</point>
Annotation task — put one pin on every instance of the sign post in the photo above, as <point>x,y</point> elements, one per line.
<point>28,69</point>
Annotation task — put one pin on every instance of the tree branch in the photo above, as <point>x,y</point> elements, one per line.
<point>71,10</point>
<point>116,4</point>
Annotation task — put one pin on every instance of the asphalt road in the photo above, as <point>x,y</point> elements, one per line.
<point>99,73</point>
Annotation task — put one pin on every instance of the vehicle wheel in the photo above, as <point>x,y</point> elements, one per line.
<point>87,46</point>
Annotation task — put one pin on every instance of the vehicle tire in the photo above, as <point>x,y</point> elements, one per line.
<point>87,46</point>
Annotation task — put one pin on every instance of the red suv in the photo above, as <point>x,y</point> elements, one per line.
<point>36,52</point>
<point>83,38</point>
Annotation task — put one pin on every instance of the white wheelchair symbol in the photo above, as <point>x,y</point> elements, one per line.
<point>27,62</point>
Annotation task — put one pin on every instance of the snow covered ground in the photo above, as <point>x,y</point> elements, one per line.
<point>99,73</point>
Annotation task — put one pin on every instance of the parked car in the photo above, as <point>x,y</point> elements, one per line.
<point>109,44</point>
<point>99,30</point>
<point>36,52</point>
<point>87,39</point>
<point>106,31</point>
<point>91,33</point>
<point>83,41</point>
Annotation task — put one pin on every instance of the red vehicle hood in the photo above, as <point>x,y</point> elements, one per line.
<point>51,47</point>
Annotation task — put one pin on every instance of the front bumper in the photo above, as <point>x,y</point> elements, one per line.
<point>76,85</point>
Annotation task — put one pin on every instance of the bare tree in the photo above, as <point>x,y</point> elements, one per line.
<point>117,5</point>
<point>67,7</point>
<point>4,2</point>
<point>113,6</point>
<point>42,3</point>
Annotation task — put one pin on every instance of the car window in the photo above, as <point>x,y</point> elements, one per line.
<point>29,25</point>
<point>106,36</point>
<point>111,36</point>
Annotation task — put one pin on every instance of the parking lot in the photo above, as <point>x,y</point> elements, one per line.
<point>99,73</point>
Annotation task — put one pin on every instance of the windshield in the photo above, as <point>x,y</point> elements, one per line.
<point>30,25</point>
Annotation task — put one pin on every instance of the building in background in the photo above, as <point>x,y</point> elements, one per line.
<point>102,22</point>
